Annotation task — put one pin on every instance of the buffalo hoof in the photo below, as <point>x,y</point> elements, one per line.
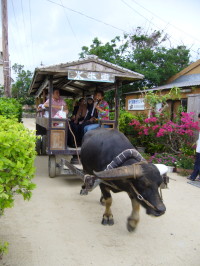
<point>83,192</point>
<point>104,221</point>
<point>130,228</point>
<point>107,220</point>
<point>111,221</point>
<point>131,224</point>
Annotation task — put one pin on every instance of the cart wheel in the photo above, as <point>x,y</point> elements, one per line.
<point>52,166</point>
<point>38,145</point>
<point>44,145</point>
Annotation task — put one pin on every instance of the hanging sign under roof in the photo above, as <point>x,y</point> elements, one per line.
<point>91,76</point>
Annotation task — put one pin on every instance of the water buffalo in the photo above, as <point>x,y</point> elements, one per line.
<point>108,155</point>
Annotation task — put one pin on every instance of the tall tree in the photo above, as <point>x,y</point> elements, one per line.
<point>145,53</point>
<point>21,85</point>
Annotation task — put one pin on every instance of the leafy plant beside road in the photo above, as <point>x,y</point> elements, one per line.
<point>17,152</point>
<point>3,249</point>
<point>185,162</point>
<point>10,108</point>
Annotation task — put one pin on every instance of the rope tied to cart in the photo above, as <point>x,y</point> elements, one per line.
<point>70,129</point>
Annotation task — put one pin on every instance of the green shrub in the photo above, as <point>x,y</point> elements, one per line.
<point>3,249</point>
<point>70,104</point>
<point>185,162</point>
<point>188,150</point>
<point>112,115</point>
<point>17,153</point>
<point>124,119</point>
<point>11,108</point>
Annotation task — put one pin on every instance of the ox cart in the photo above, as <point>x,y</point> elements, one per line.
<point>74,80</point>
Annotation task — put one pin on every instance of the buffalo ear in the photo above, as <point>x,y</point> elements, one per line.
<point>123,172</point>
<point>162,168</point>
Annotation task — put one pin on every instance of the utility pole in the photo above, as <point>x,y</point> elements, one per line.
<point>6,65</point>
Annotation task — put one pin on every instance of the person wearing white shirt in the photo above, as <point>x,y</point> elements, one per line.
<point>196,170</point>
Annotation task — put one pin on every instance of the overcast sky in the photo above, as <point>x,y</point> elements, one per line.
<point>43,31</point>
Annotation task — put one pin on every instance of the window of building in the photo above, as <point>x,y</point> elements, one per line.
<point>184,104</point>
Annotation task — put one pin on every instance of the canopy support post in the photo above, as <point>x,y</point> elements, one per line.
<point>117,104</point>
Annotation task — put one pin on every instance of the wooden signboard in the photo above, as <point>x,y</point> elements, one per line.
<point>136,104</point>
<point>91,76</point>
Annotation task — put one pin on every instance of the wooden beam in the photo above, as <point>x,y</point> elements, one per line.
<point>42,87</point>
<point>117,103</point>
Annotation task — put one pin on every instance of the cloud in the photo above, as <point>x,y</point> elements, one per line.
<point>58,34</point>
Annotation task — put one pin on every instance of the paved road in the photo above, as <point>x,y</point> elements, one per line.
<point>60,227</point>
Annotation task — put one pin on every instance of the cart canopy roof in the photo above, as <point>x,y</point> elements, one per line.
<point>81,77</point>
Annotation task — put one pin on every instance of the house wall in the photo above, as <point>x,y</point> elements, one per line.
<point>176,103</point>
<point>134,96</point>
<point>194,104</point>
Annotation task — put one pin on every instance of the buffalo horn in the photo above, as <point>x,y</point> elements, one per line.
<point>137,155</point>
<point>130,171</point>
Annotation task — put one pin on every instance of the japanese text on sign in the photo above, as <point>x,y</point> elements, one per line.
<point>136,104</point>
<point>91,76</point>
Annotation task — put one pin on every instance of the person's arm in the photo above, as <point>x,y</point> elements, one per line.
<point>99,109</point>
<point>46,104</point>
<point>78,114</point>
<point>55,106</point>
<point>65,108</point>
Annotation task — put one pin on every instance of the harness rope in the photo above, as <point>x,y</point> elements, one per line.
<point>140,197</point>
<point>79,161</point>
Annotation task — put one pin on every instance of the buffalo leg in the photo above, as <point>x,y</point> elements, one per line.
<point>107,216</point>
<point>102,200</point>
<point>133,219</point>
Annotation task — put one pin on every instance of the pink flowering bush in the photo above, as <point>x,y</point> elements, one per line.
<point>159,134</point>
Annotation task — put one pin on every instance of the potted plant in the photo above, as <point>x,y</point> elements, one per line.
<point>185,164</point>
<point>164,158</point>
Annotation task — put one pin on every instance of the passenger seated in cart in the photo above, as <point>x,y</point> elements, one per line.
<point>40,110</point>
<point>90,112</point>
<point>83,117</point>
<point>56,103</point>
<point>90,118</point>
<point>97,109</point>
<point>102,109</point>
<point>76,108</point>
<point>81,113</point>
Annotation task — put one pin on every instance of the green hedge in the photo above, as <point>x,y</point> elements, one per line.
<point>11,108</point>
<point>17,153</point>
<point>124,119</point>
